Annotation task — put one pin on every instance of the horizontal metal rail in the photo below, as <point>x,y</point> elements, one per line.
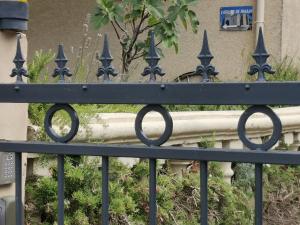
<point>210,154</point>
<point>259,93</point>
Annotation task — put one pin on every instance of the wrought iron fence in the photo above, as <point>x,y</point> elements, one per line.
<point>255,94</point>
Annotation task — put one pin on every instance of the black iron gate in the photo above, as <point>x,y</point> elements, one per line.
<point>153,94</point>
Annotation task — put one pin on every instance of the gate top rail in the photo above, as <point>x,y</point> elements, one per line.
<point>258,93</point>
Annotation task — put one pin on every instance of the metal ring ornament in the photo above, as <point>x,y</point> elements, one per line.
<point>168,125</point>
<point>277,128</point>
<point>74,123</point>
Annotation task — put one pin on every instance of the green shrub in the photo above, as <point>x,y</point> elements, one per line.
<point>177,199</point>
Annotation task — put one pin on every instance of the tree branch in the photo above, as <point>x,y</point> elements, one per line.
<point>133,25</point>
<point>121,28</point>
<point>116,31</point>
<point>149,27</point>
<point>136,32</point>
<point>134,54</point>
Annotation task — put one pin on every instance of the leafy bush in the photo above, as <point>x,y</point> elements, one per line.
<point>177,199</point>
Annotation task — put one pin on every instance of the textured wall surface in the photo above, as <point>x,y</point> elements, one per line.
<point>55,21</point>
<point>291,28</point>
<point>13,117</point>
<point>273,28</point>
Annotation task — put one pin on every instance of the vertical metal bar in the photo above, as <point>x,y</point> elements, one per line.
<point>105,191</point>
<point>61,181</point>
<point>258,194</point>
<point>19,204</point>
<point>152,191</point>
<point>203,193</point>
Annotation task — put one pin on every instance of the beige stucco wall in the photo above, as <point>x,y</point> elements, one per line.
<point>273,28</point>
<point>60,21</point>
<point>232,50</point>
<point>55,21</point>
<point>13,117</point>
<point>290,29</point>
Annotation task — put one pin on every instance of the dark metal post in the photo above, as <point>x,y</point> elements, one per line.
<point>258,194</point>
<point>152,191</point>
<point>14,15</point>
<point>203,193</point>
<point>19,203</point>
<point>61,178</point>
<point>105,190</point>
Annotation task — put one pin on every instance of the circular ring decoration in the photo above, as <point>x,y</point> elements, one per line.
<point>168,129</point>
<point>74,125</point>
<point>277,128</point>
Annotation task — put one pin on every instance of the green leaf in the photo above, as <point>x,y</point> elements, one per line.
<point>152,21</point>
<point>107,11</point>
<point>99,20</point>
<point>119,13</point>
<point>155,8</point>
<point>183,15</point>
<point>193,20</point>
<point>173,12</point>
<point>155,12</point>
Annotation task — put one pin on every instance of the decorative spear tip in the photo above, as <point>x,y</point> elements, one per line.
<point>206,70</point>
<point>60,54</point>
<point>260,56</point>
<point>61,61</point>
<point>106,59</point>
<point>260,47</point>
<point>19,61</point>
<point>19,55</point>
<point>106,52</point>
<point>152,59</point>
<point>152,50</point>
<point>205,51</point>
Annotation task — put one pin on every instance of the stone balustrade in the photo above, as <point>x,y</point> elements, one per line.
<point>191,129</point>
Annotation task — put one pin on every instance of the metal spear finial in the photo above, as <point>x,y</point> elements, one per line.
<point>206,70</point>
<point>260,56</point>
<point>106,59</point>
<point>152,59</point>
<point>19,71</point>
<point>61,61</point>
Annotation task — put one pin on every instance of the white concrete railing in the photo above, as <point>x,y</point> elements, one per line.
<point>190,129</point>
